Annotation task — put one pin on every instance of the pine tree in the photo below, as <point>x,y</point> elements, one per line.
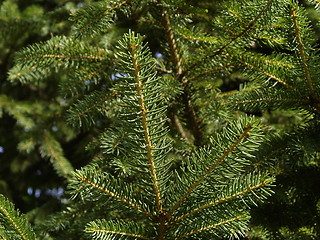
<point>173,157</point>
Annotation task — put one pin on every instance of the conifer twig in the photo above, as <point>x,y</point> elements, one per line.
<point>14,218</point>
<point>16,227</point>
<point>222,200</point>
<point>96,104</point>
<point>123,234</point>
<point>267,74</point>
<point>192,120</point>
<point>272,153</point>
<point>106,12</point>
<point>114,195</point>
<point>270,99</point>
<point>148,142</point>
<point>211,227</point>
<point>89,75</point>
<point>180,129</point>
<point>61,164</point>
<point>149,146</point>
<point>246,29</point>
<point>64,56</point>
<point>200,179</point>
<point>314,97</point>
<point>212,70</point>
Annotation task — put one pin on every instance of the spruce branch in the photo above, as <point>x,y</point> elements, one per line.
<point>60,56</point>
<point>216,69</point>
<point>213,165</point>
<point>60,50</point>
<point>160,193</point>
<point>149,146</point>
<point>102,229</point>
<point>83,78</point>
<point>250,25</point>
<point>269,39</point>
<point>263,98</point>
<point>15,224</point>
<point>144,114</point>
<point>210,227</point>
<point>301,51</point>
<point>193,121</point>
<point>269,75</point>
<point>272,153</point>
<point>93,182</point>
<point>270,100</point>
<point>96,17</point>
<point>314,96</point>
<point>20,110</point>
<point>258,36</point>
<point>52,149</point>
<point>242,192</point>
<point>196,37</point>
<point>84,112</point>
<point>236,36</point>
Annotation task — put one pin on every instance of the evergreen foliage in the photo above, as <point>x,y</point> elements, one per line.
<point>149,89</point>
<point>13,225</point>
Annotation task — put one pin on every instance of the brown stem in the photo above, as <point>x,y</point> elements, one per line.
<point>193,122</point>
<point>180,128</point>
<point>162,227</point>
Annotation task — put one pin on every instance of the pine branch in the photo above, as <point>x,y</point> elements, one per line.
<point>80,80</point>
<point>210,227</point>
<point>190,113</point>
<point>314,96</point>
<point>60,51</point>
<point>247,28</point>
<point>233,196</point>
<point>136,71</point>
<point>110,230</point>
<point>213,165</point>
<point>96,17</point>
<point>267,74</point>
<point>14,223</point>
<point>85,111</point>
<point>91,180</point>
<point>52,149</point>
<point>257,99</point>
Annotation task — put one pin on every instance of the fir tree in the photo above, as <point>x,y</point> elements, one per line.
<point>173,157</point>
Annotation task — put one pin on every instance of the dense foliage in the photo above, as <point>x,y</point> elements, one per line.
<point>159,119</point>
